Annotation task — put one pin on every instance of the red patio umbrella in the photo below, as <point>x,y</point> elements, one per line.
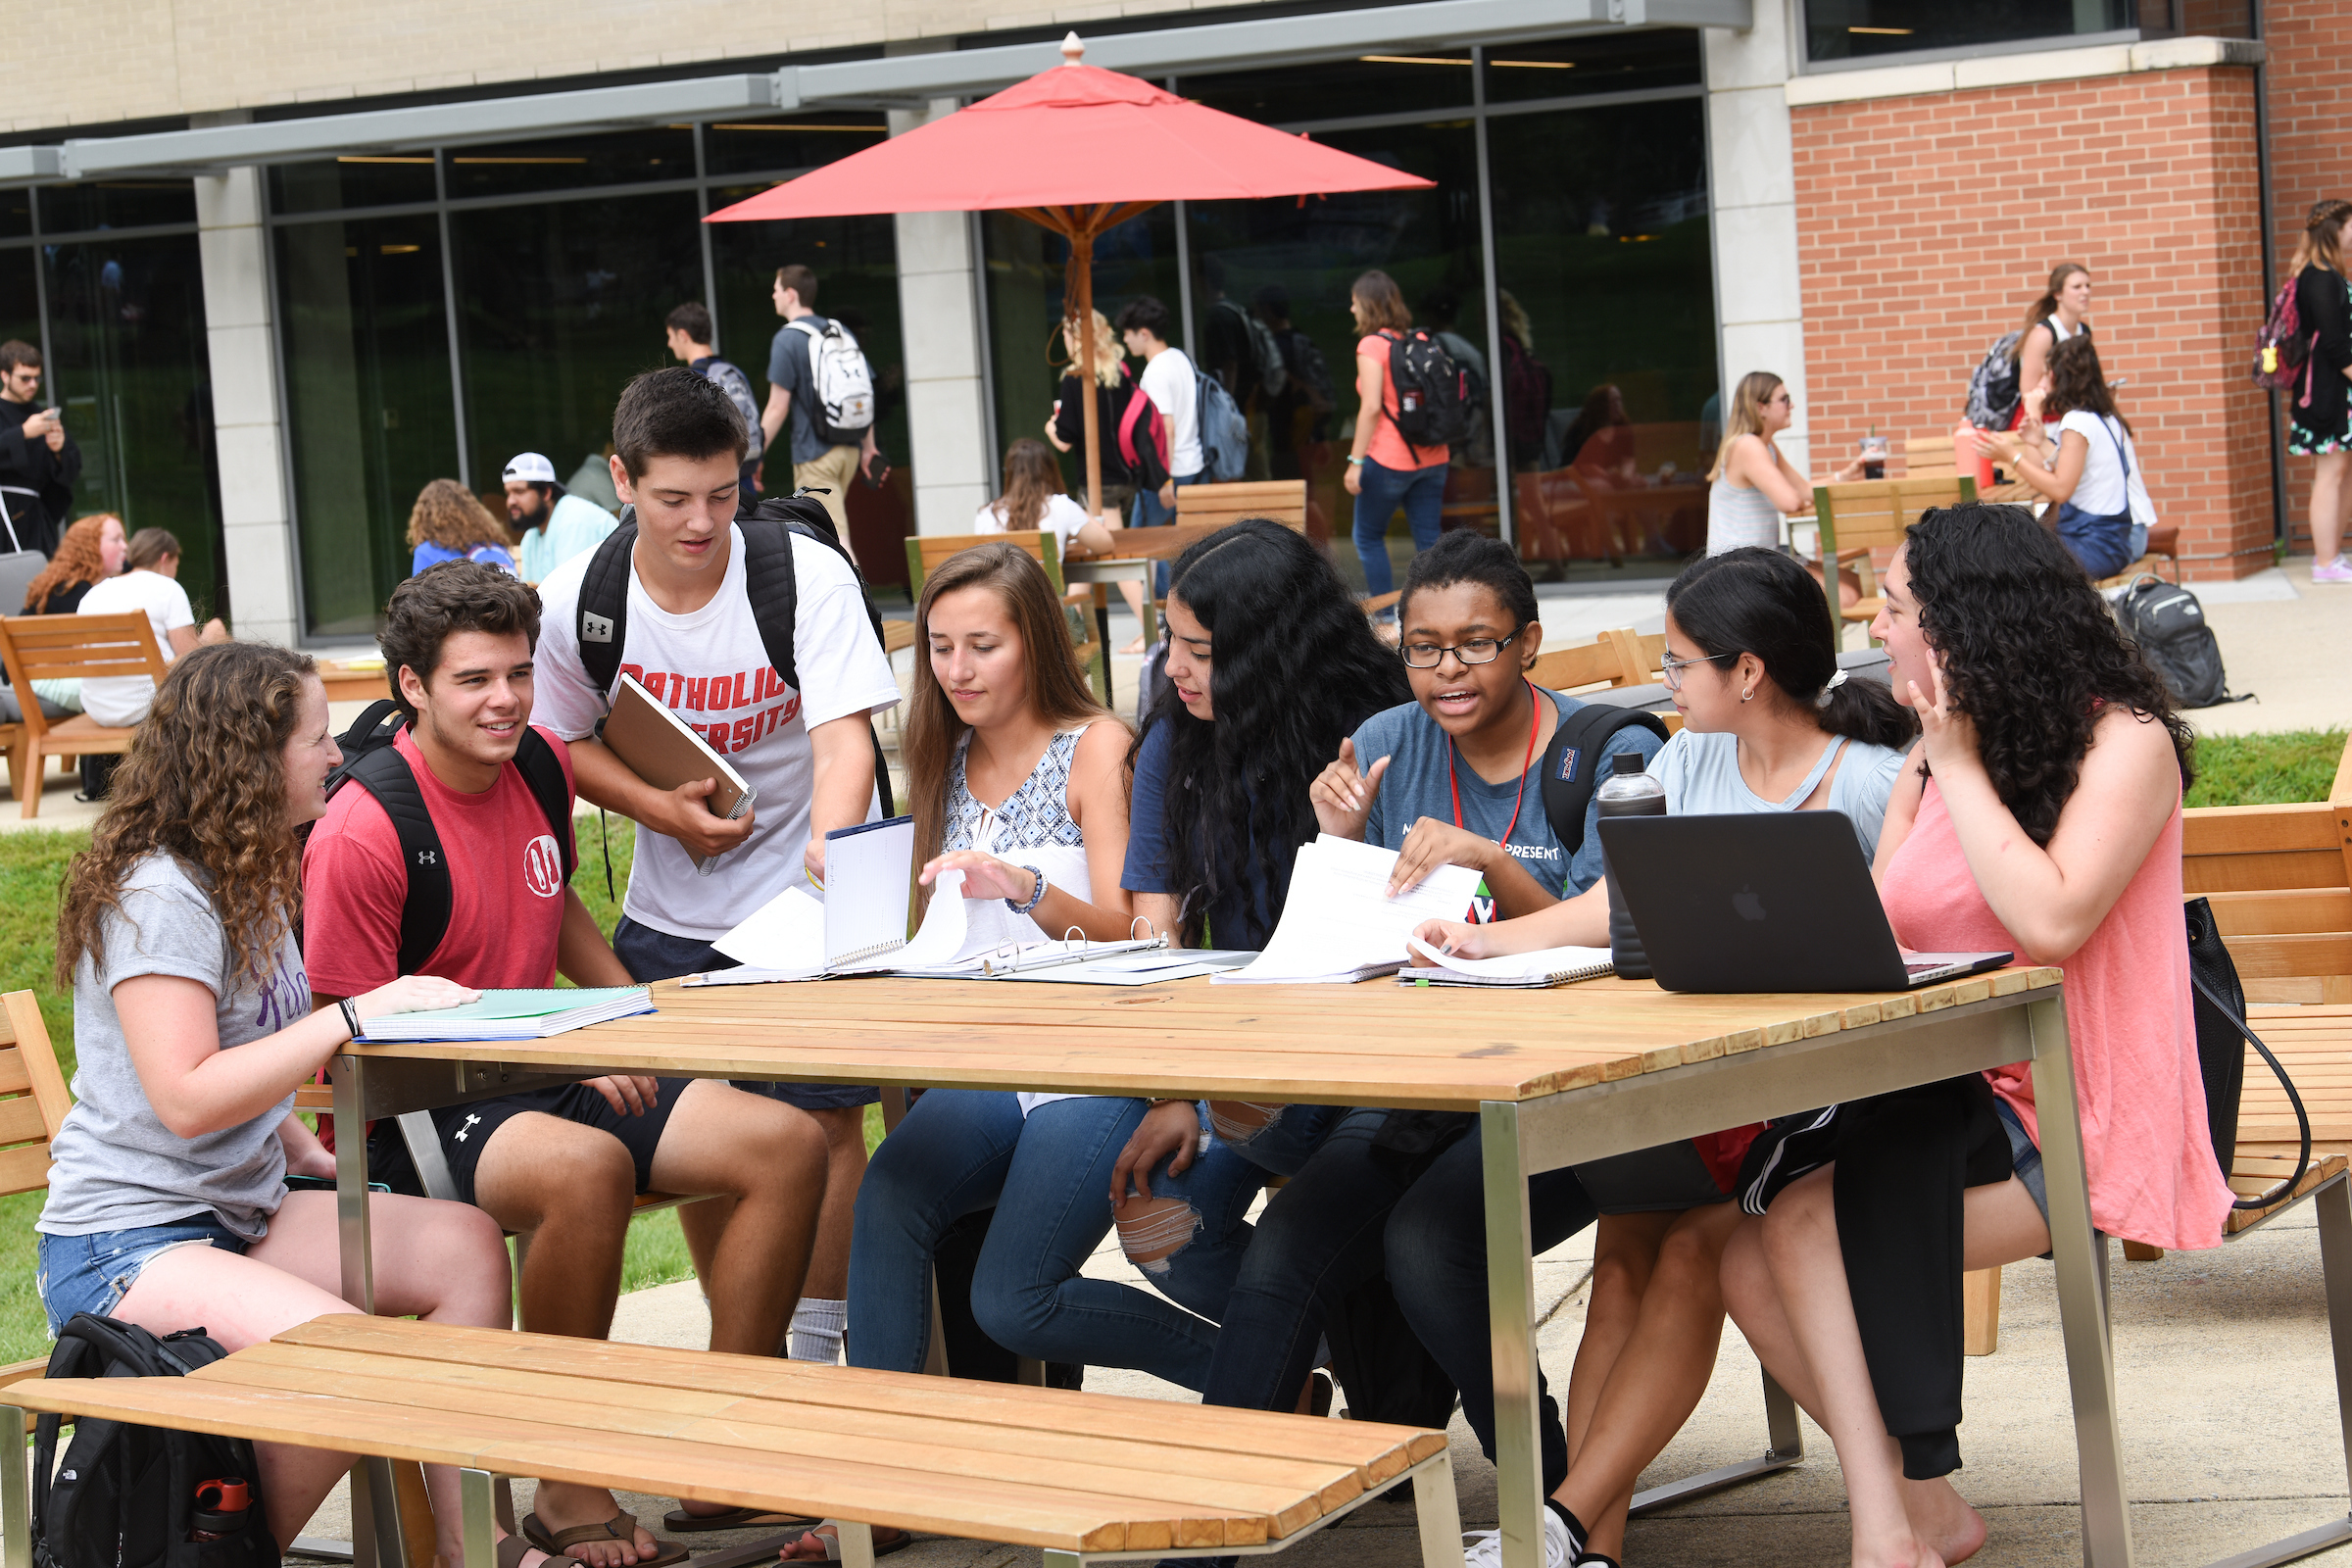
<point>1077,150</point>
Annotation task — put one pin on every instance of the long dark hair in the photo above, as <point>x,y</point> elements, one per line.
<point>1761,602</point>
<point>2078,382</point>
<point>1293,669</point>
<point>2030,653</point>
<point>205,782</point>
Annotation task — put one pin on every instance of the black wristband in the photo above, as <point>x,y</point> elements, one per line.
<point>351,1016</point>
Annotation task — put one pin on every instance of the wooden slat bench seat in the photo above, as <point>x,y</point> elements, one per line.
<point>36,648</point>
<point>1078,1475</point>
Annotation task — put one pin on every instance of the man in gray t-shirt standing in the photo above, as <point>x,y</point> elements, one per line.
<point>821,459</point>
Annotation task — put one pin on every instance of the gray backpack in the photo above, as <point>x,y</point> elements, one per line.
<point>2169,625</point>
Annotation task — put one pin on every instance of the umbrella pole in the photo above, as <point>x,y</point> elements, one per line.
<point>1082,274</point>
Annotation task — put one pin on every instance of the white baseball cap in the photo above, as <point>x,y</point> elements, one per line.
<point>532,468</point>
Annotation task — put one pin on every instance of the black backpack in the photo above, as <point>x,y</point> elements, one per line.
<point>1434,394</point>
<point>1993,390</point>
<point>770,581</point>
<point>2169,625</point>
<point>127,1496</point>
<point>372,761</point>
<point>1572,767</point>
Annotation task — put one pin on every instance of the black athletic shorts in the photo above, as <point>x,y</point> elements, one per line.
<point>466,1130</point>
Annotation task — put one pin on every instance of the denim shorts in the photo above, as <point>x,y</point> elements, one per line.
<point>650,954</point>
<point>92,1273</point>
<point>2025,1158</point>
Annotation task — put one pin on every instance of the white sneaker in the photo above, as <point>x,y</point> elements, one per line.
<point>1485,1549</point>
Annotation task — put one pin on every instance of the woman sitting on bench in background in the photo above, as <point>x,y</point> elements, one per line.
<point>2042,814</point>
<point>167,1205</point>
<point>1770,723</point>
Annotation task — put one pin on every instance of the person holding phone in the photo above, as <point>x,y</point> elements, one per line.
<point>38,459</point>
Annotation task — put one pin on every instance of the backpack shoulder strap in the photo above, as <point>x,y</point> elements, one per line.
<point>1572,764</point>
<point>543,771</point>
<point>773,586</point>
<point>602,619</point>
<point>425,913</point>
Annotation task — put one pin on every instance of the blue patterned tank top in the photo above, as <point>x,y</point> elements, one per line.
<point>1033,816</point>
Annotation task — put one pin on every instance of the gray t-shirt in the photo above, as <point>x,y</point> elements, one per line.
<point>117,1167</point>
<point>1701,776</point>
<point>1416,786</point>
<point>790,367</point>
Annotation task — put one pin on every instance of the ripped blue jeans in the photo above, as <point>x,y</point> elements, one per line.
<point>1209,1224</point>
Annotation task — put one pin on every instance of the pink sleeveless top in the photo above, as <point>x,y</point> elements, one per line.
<point>2145,1143</point>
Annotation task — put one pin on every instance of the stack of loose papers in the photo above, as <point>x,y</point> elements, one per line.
<point>1339,924</point>
<point>514,1015</point>
<point>1551,967</point>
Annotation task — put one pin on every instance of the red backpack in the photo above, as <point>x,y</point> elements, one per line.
<point>1143,438</point>
<point>2282,352</point>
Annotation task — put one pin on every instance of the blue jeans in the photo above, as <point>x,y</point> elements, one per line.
<point>93,1273</point>
<point>1047,1176</point>
<point>1221,1186</point>
<point>1421,492</point>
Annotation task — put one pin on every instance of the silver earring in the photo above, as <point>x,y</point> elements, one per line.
<point>1745,695</point>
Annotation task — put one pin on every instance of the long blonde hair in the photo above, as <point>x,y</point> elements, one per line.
<point>1746,415</point>
<point>1111,354</point>
<point>1057,693</point>
<point>2321,241</point>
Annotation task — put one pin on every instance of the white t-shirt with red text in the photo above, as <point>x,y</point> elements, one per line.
<point>505,886</point>
<point>712,670</point>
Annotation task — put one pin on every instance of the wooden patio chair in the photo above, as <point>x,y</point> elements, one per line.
<point>1871,514</point>
<point>69,648</point>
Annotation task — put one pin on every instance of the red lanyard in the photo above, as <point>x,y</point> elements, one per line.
<point>1535,722</point>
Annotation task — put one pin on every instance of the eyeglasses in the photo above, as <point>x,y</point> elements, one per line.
<point>1477,650</point>
<point>1670,671</point>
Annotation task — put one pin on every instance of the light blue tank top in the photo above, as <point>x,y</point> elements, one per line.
<point>1701,776</point>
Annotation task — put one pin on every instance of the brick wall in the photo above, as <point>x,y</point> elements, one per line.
<point>1916,253</point>
<point>2309,76</point>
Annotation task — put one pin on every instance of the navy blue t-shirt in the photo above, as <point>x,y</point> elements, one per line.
<point>1416,785</point>
<point>1238,917</point>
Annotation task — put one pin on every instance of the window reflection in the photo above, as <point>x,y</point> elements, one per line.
<point>116,204</point>
<point>130,366</point>
<point>360,179</point>
<point>368,403</point>
<point>20,311</point>
<point>1607,318</point>
<point>1853,29</point>
<point>800,140</point>
<point>16,212</point>
<point>1342,90</point>
<point>1593,64</point>
<point>572,162</point>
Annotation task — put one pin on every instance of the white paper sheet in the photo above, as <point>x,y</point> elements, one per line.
<point>1522,967</point>
<point>1339,923</point>
<point>786,933</point>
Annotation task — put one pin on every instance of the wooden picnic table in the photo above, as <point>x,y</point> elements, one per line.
<point>1139,553</point>
<point>1557,1077</point>
<point>346,683</point>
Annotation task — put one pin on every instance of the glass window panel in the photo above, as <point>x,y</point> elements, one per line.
<point>1341,89</point>
<point>857,264</point>
<point>116,204</point>
<point>130,366</point>
<point>368,400</point>
<point>787,141</point>
<point>385,180</point>
<point>1305,256</point>
<point>1026,267</point>
<point>558,304</point>
<point>16,212</point>
<point>19,302</point>
<point>1857,30</point>
<point>1591,64</point>
<point>1608,304</point>
<point>572,162</point>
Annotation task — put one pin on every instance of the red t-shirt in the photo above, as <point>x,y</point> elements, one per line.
<point>505,881</point>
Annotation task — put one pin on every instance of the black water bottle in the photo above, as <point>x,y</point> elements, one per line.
<point>1628,791</point>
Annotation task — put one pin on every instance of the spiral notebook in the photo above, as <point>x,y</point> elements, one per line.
<point>1551,967</point>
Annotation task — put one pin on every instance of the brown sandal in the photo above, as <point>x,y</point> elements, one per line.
<point>511,1550</point>
<point>621,1526</point>
<point>679,1522</point>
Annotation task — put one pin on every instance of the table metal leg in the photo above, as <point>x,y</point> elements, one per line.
<point>1103,639</point>
<point>477,1498</point>
<point>1511,1313</point>
<point>2082,1304</point>
<point>15,1489</point>
<point>351,1183</point>
<point>856,1543</point>
<point>1440,1517</point>
<point>1785,1447</point>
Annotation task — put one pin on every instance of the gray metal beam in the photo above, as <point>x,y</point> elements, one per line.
<point>422,125</point>
<point>891,80</point>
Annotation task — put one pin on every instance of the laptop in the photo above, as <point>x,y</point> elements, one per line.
<point>1777,900</point>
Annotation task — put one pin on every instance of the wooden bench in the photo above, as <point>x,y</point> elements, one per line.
<point>1081,1476</point>
<point>1872,514</point>
<point>69,648</point>
<point>1219,504</point>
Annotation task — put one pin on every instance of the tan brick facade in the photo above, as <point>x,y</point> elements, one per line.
<point>112,60</point>
<point>2310,73</point>
<point>1916,250</point>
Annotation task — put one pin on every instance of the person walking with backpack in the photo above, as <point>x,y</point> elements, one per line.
<point>690,333</point>
<point>758,635</point>
<point>1172,384</point>
<point>820,382</point>
<point>1385,470</point>
<point>2318,419</point>
<point>193,1026</point>
<point>1134,438</point>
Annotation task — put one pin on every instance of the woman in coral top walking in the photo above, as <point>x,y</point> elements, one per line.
<point>2041,812</point>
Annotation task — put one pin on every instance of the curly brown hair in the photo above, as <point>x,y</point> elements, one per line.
<point>79,560</point>
<point>448,515</point>
<point>204,784</point>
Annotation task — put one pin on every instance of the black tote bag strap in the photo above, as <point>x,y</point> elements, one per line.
<point>2302,1116</point>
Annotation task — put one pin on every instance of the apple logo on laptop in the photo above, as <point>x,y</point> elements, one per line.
<point>1751,907</point>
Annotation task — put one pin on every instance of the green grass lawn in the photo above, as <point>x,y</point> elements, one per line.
<point>2234,770</point>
